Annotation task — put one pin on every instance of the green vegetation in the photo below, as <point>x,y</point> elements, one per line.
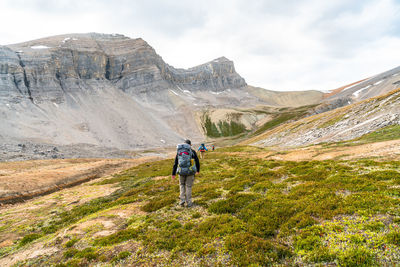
<point>279,119</point>
<point>211,129</point>
<point>121,256</point>
<point>333,121</point>
<point>223,128</point>
<point>71,243</point>
<point>29,238</point>
<point>284,115</point>
<point>87,253</point>
<point>387,133</point>
<point>248,211</point>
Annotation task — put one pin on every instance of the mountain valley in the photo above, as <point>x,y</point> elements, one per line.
<point>88,135</point>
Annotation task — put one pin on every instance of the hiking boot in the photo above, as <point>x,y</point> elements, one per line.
<point>182,204</point>
<point>190,205</point>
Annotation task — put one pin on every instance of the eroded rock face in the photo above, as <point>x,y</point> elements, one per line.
<point>116,92</point>
<point>47,68</point>
<point>345,123</point>
<point>107,90</point>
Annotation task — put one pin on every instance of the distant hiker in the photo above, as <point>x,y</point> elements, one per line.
<point>186,165</point>
<point>202,149</point>
<point>213,147</point>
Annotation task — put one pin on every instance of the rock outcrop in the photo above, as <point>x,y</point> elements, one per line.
<point>46,69</point>
<point>345,123</point>
<point>113,91</point>
<point>352,93</point>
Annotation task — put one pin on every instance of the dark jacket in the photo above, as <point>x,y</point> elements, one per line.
<point>196,160</point>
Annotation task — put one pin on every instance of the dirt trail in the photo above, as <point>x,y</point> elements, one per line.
<point>23,180</point>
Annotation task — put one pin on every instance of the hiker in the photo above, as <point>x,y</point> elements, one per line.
<point>186,165</point>
<point>202,149</point>
<point>213,147</point>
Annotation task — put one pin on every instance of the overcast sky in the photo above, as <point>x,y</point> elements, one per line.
<point>278,45</point>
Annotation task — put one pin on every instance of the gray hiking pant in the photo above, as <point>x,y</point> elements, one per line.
<point>186,183</point>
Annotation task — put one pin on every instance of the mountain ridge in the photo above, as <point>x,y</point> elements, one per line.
<point>112,91</point>
<point>341,124</point>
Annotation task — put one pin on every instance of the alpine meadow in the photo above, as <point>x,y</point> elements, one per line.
<point>212,133</point>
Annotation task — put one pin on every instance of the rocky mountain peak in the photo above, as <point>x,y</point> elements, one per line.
<point>46,68</point>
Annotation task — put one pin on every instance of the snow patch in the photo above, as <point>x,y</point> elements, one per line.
<point>162,141</point>
<point>378,82</point>
<point>174,92</point>
<point>55,104</point>
<point>326,91</point>
<point>395,74</point>
<point>357,93</point>
<point>224,91</point>
<point>351,86</point>
<point>215,93</point>
<point>69,38</point>
<point>40,47</point>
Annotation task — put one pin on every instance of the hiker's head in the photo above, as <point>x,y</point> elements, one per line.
<point>187,141</point>
<point>202,144</point>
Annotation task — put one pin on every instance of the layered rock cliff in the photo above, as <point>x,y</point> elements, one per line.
<point>46,69</point>
<point>114,91</point>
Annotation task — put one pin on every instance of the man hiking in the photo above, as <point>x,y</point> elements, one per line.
<point>186,165</point>
<point>202,149</point>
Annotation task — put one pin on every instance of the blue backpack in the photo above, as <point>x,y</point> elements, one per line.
<point>185,162</point>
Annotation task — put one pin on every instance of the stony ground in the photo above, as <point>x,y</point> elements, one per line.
<point>10,150</point>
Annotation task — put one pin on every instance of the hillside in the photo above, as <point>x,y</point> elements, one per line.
<point>341,124</point>
<point>248,210</point>
<point>112,91</point>
<point>374,86</point>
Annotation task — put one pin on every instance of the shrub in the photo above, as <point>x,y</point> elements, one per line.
<point>121,256</point>
<point>357,256</point>
<point>196,215</point>
<point>374,226</point>
<point>160,202</point>
<point>87,253</point>
<point>220,226</point>
<point>309,239</point>
<point>29,238</point>
<point>69,253</point>
<point>298,221</point>
<point>232,204</point>
<point>382,175</point>
<point>393,238</point>
<point>246,248</point>
<point>71,242</point>
<point>117,237</point>
<point>262,187</point>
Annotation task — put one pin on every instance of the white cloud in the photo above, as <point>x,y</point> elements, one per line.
<point>285,45</point>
